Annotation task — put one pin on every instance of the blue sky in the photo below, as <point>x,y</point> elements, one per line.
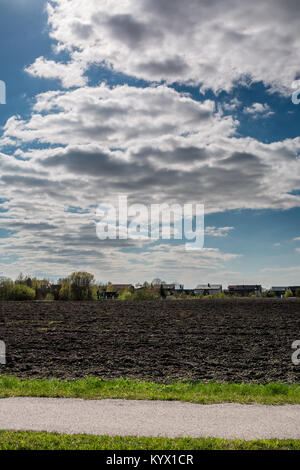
<point>100,103</point>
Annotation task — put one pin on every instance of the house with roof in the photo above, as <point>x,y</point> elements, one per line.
<point>245,290</point>
<point>173,287</point>
<point>279,291</point>
<point>208,289</point>
<point>122,287</point>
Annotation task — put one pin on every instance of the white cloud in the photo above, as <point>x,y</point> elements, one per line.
<point>115,116</point>
<point>209,43</point>
<point>153,144</point>
<point>218,231</point>
<point>232,105</point>
<point>258,110</point>
<point>70,74</point>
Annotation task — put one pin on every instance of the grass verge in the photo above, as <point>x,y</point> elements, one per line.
<point>196,392</point>
<point>12,440</point>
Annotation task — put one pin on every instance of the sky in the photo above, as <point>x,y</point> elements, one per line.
<point>163,101</point>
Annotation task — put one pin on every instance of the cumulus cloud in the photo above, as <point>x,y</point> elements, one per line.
<point>70,74</point>
<point>209,43</point>
<point>116,116</point>
<point>152,144</point>
<point>259,110</point>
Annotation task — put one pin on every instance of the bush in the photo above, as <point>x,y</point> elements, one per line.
<point>125,295</point>
<point>221,296</point>
<point>22,292</point>
<point>268,293</point>
<point>288,293</point>
<point>145,294</point>
<point>298,293</point>
<point>49,297</point>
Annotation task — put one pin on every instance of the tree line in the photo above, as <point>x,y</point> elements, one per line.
<point>79,285</point>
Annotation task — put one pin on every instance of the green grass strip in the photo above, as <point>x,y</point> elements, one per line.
<point>196,392</point>
<point>11,440</point>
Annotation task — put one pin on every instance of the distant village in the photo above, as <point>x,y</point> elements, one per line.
<point>82,286</point>
<point>216,290</point>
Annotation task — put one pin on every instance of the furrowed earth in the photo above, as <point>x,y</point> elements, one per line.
<point>232,340</point>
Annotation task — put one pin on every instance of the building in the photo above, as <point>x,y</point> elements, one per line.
<point>279,291</point>
<point>173,287</point>
<point>122,287</point>
<point>245,290</point>
<point>208,289</point>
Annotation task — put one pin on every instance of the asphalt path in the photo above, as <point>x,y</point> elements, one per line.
<point>150,418</point>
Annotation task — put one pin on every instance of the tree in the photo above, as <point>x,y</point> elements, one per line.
<point>298,293</point>
<point>109,287</point>
<point>22,292</point>
<point>65,292</point>
<point>28,282</point>
<point>20,279</point>
<point>6,287</point>
<point>162,291</point>
<point>288,293</point>
<point>82,285</point>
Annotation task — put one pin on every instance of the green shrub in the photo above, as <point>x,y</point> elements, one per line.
<point>49,297</point>
<point>298,293</point>
<point>221,296</point>
<point>288,293</point>
<point>268,293</point>
<point>145,294</point>
<point>22,292</point>
<point>125,295</point>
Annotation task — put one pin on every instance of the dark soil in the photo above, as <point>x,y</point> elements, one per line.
<point>224,340</point>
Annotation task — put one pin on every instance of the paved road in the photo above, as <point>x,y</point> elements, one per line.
<point>150,418</point>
